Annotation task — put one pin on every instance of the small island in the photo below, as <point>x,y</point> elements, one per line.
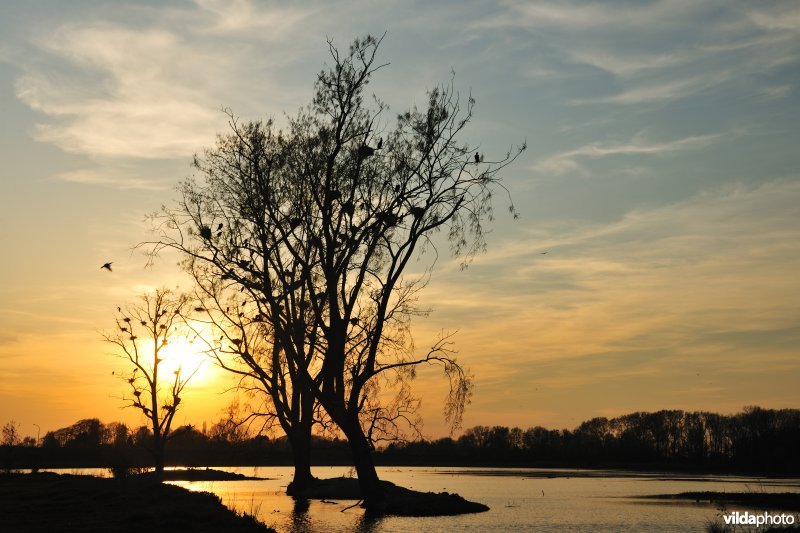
<point>785,501</point>
<point>400,501</point>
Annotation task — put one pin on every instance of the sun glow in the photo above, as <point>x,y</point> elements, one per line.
<point>186,356</point>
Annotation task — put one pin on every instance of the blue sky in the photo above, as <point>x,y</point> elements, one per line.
<point>661,178</point>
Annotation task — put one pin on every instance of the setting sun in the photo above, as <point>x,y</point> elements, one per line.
<point>188,356</point>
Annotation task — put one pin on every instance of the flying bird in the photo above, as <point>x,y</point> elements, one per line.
<point>107,266</point>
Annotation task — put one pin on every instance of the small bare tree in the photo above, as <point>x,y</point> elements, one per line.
<point>143,331</point>
<point>10,434</point>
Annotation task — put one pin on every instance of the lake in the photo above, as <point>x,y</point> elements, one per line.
<point>520,499</point>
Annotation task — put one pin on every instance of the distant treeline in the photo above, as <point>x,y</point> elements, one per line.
<point>755,440</point>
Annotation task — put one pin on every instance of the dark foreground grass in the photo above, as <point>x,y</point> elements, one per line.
<point>48,502</point>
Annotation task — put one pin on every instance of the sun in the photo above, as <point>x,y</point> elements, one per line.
<point>187,357</point>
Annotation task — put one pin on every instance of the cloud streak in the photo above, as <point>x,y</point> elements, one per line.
<point>568,161</point>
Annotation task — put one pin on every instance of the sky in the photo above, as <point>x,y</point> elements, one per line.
<point>662,179</point>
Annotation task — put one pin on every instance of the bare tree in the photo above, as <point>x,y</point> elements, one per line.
<point>143,331</point>
<point>10,434</point>
<point>317,225</point>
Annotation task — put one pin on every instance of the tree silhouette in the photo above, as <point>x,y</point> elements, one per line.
<point>143,331</point>
<point>316,226</point>
<point>9,434</point>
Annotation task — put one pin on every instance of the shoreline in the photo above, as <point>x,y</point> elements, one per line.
<point>46,501</point>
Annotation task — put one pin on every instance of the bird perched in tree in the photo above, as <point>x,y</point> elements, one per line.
<point>107,266</point>
<point>477,157</point>
<point>380,143</point>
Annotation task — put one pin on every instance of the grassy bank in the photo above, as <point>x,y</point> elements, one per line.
<point>48,502</point>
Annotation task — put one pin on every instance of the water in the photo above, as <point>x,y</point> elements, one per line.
<point>520,500</point>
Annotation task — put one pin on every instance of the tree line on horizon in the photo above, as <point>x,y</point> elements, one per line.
<point>754,440</point>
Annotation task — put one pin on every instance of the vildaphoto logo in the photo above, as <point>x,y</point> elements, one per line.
<point>753,519</point>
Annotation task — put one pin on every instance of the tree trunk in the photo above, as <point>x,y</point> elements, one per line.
<point>158,457</point>
<point>371,489</point>
<point>300,443</point>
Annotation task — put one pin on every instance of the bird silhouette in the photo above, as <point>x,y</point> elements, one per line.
<point>107,266</point>
<point>477,157</point>
<point>380,143</point>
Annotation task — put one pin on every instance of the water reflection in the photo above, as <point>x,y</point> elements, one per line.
<point>544,500</point>
<point>301,521</point>
<point>368,524</point>
<point>304,519</point>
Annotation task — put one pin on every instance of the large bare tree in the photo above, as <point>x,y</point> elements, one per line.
<point>317,225</point>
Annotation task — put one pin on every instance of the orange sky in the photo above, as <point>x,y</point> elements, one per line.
<point>661,180</point>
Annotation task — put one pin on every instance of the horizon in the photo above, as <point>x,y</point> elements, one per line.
<point>654,265</point>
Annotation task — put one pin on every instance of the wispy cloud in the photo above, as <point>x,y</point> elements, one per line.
<point>707,285</point>
<point>234,17</point>
<point>154,90</point>
<point>132,98</point>
<point>584,15</point>
<point>568,161</point>
<point>649,92</point>
<point>672,50</point>
<point>783,16</point>
<point>112,177</point>
<point>627,63</point>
